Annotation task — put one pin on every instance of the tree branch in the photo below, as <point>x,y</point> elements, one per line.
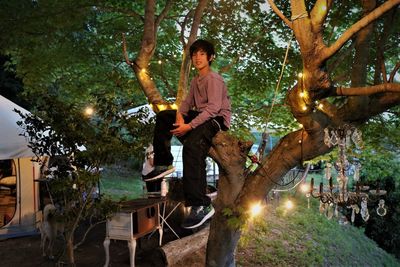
<point>185,66</point>
<point>319,13</point>
<point>383,68</point>
<point>86,233</point>
<point>124,50</point>
<point>380,43</point>
<point>279,13</point>
<point>183,26</point>
<point>163,13</point>
<point>370,90</point>
<point>130,13</point>
<point>198,13</point>
<point>379,11</point>
<point>393,73</point>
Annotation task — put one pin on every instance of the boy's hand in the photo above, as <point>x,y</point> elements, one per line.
<point>181,129</point>
<point>179,119</point>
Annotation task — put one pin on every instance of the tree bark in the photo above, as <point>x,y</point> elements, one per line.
<point>361,58</point>
<point>185,66</point>
<point>231,155</point>
<point>70,249</point>
<point>222,242</point>
<point>379,75</point>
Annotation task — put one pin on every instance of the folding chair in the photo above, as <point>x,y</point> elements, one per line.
<point>163,195</point>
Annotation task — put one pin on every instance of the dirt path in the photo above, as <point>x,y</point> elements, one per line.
<point>26,252</point>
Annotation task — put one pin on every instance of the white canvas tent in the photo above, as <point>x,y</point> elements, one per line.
<point>26,194</point>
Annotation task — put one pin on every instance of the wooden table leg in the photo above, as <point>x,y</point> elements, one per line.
<point>132,250</point>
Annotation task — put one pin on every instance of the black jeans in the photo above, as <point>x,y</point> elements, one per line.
<point>196,145</point>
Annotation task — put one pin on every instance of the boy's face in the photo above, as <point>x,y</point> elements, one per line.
<point>200,59</point>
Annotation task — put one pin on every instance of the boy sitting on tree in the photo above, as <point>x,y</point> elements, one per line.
<point>205,111</point>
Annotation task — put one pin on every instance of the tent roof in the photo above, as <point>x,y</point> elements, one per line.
<point>12,145</point>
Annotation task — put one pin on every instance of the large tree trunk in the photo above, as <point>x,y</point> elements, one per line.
<point>222,242</point>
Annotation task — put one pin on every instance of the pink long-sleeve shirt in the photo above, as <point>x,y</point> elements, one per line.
<point>209,96</point>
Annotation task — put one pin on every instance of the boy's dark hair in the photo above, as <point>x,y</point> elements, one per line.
<point>204,45</point>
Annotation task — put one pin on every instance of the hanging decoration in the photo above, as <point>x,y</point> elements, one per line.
<point>339,195</point>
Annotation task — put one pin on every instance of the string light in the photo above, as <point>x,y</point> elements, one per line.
<point>142,73</point>
<point>160,62</point>
<point>289,204</point>
<point>302,94</point>
<point>304,108</point>
<point>300,75</point>
<point>320,106</point>
<point>89,111</point>
<point>305,188</point>
<point>161,107</point>
<point>174,106</point>
<point>255,209</point>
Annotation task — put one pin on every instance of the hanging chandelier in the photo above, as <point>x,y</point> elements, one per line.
<point>335,196</point>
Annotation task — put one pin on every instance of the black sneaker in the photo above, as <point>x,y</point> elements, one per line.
<point>198,215</point>
<point>159,172</point>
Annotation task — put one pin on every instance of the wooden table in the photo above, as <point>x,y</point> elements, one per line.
<point>137,218</point>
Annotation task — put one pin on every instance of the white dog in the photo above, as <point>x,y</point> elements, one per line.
<point>49,229</point>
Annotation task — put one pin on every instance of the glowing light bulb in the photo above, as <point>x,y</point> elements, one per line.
<point>302,94</point>
<point>320,106</point>
<point>305,188</point>
<point>161,107</point>
<point>300,125</point>
<point>304,108</point>
<point>289,204</point>
<point>89,111</point>
<point>160,62</point>
<point>300,75</point>
<point>255,209</point>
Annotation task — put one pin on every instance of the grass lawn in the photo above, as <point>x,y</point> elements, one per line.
<point>121,183</point>
<point>303,237</point>
<point>298,237</point>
